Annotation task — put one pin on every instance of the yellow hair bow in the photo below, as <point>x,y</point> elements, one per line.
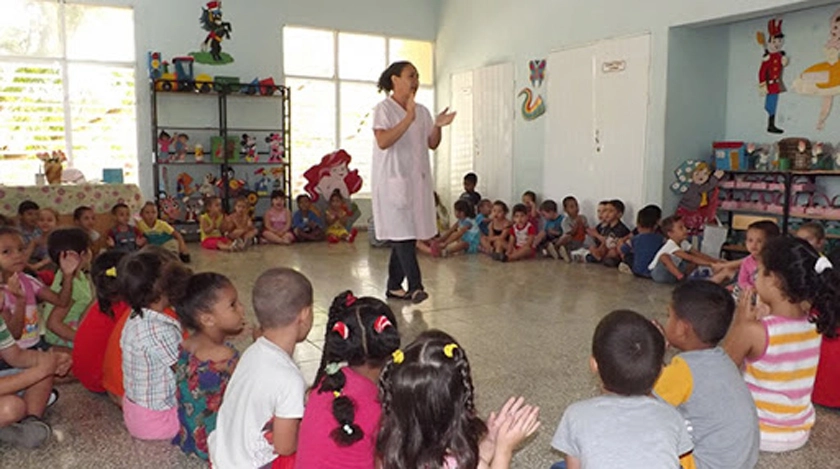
<point>449,350</point>
<point>398,356</point>
<point>112,272</point>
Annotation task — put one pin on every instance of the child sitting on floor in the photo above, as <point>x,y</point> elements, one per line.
<point>337,216</point>
<point>498,230</point>
<point>625,423</point>
<point>676,259</point>
<point>429,386</point>
<point>277,221</point>
<point>259,418</point>
<point>522,234</point>
<point>149,342</point>
<point>241,231</point>
<point>703,376</point>
<point>609,235</point>
<point>341,419</point>
<point>28,214</point>
<point>62,322</point>
<point>529,199</point>
<point>758,234</point>
<point>463,235</point>
<point>85,218</point>
<point>91,339</point>
<point>814,233</point>
<point>123,236</point>
<point>208,306</point>
<point>801,292</point>
<point>160,233</point>
<point>40,261</point>
<point>483,214</point>
<point>574,231</point>
<point>547,239</point>
<point>306,222</point>
<point>211,223</point>
<point>640,250</point>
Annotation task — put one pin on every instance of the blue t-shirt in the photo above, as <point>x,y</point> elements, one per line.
<point>301,220</point>
<point>473,234</point>
<point>555,225</point>
<point>645,247</point>
<point>481,221</point>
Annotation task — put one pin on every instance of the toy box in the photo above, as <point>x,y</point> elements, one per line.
<point>731,156</point>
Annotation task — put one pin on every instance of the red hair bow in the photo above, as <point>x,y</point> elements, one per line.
<point>381,323</point>
<point>342,330</point>
<point>348,302</point>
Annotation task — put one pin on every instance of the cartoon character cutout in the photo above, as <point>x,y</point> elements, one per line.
<point>275,148</point>
<point>330,174</point>
<point>164,141</point>
<point>823,79</point>
<point>249,148</point>
<point>181,142</point>
<point>700,199</point>
<point>217,30</point>
<point>770,73</point>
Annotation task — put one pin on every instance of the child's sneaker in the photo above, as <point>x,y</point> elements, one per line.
<point>624,268</point>
<point>564,253</point>
<point>579,255</point>
<point>237,245</point>
<point>352,236</point>
<point>552,251</point>
<point>30,432</point>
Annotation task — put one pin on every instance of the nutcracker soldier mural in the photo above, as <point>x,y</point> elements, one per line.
<point>770,74</point>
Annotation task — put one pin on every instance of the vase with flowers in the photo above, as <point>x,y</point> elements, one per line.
<point>53,165</point>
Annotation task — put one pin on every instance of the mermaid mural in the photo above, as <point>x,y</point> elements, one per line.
<point>332,174</point>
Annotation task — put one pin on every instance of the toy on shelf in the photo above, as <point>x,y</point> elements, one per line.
<point>249,148</point>
<point>208,187</point>
<point>155,65</point>
<point>699,200</point>
<point>275,147</point>
<point>219,148</point>
<point>277,173</point>
<point>759,157</point>
<point>53,165</point>
<point>181,142</point>
<point>264,87</point>
<point>730,156</point>
<point>236,187</point>
<point>226,83</point>
<point>164,141</point>
<point>263,184</point>
<point>199,153</point>
<point>192,208</point>
<point>184,185</point>
<point>821,157</point>
<point>170,209</point>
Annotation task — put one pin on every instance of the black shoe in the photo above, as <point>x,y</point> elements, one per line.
<point>771,126</point>
<point>185,258</point>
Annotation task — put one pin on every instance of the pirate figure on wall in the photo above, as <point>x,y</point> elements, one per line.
<point>770,74</point>
<point>217,30</point>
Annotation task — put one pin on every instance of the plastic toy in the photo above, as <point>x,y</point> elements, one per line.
<point>181,146</point>
<point>224,83</point>
<point>249,148</point>
<point>155,65</point>
<point>208,187</point>
<point>192,208</point>
<point>199,153</point>
<point>821,156</point>
<point>275,147</point>
<point>263,184</point>
<point>170,209</point>
<point>236,187</point>
<point>184,186</point>
<point>164,140</point>
<point>759,157</point>
<point>277,173</point>
<point>730,156</point>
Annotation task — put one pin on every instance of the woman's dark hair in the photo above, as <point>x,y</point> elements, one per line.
<point>794,263</point>
<point>79,211</point>
<point>359,331</point>
<point>107,286</point>
<point>428,408</point>
<point>67,239</point>
<point>197,296</point>
<point>393,70</point>
<point>146,276</point>
<point>465,207</point>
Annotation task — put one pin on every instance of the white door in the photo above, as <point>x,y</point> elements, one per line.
<point>462,141</point>
<point>597,132</point>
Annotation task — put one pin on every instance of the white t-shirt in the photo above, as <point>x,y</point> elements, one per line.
<point>265,384</point>
<point>401,176</point>
<point>670,247</point>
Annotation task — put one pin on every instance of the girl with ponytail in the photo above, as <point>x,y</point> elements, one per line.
<point>341,420</point>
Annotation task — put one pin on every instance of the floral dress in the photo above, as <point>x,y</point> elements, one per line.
<point>201,385</point>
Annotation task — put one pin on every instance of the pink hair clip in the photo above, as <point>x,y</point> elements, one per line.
<point>348,302</point>
<point>381,323</point>
<point>342,330</point>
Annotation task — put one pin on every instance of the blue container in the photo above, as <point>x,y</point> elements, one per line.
<point>112,175</point>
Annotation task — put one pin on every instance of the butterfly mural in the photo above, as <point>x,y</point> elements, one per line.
<point>537,72</point>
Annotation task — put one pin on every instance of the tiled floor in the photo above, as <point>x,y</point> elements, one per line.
<point>526,328</point>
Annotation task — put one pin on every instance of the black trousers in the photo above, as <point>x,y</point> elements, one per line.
<point>403,264</point>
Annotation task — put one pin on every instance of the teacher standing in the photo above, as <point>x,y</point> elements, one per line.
<point>403,189</point>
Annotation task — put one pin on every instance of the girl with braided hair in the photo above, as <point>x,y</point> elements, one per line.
<point>341,419</point>
<point>429,419</point>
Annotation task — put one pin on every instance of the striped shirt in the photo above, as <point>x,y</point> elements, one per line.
<point>149,349</point>
<point>782,380</point>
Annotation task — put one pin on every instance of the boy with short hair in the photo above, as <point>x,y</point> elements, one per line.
<point>625,426</point>
<point>123,236</point>
<point>676,260</point>
<point>703,376</point>
<point>639,251</point>
<point>522,233</point>
<point>28,214</point>
<point>62,322</point>
<point>547,239</point>
<point>263,404</point>
<point>482,215</point>
<point>609,235</point>
<point>306,224</point>
<point>470,195</point>
<point>574,227</point>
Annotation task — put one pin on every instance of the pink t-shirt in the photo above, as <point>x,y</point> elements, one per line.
<point>746,276</point>
<point>317,449</point>
<point>276,219</point>
<point>31,334</point>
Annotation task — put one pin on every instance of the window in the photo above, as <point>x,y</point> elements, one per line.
<point>333,76</point>
<point>62,87</point>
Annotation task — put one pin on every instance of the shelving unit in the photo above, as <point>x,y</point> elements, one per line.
<point>786,217</point>
<point>224,113</point>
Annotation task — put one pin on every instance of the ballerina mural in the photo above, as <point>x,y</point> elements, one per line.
<point>823,79</point>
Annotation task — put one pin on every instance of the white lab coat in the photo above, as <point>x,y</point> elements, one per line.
<point>401,177</point>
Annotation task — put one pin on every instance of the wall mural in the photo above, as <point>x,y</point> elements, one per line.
<point>770,73</point>
<point>823,79</point>
<point>533,107</point>
<point>217,30</point>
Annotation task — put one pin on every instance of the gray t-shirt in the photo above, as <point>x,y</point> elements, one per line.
<point>707,389</point>
<point>627,432</point>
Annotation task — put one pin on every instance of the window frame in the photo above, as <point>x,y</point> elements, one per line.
<point>337,81</point>
<point>64,65</point>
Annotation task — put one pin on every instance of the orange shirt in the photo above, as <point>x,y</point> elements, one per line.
<point>112,375</point>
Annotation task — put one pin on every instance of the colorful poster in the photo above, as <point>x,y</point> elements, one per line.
<point>770,73</point>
